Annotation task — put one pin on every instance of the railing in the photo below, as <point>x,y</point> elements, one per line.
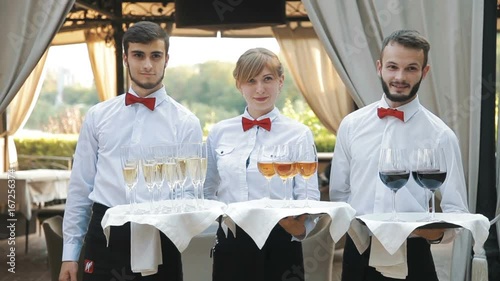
<point>27,162</point>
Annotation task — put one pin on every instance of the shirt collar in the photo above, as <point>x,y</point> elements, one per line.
<point>409,109</point>
<point>271,115</point>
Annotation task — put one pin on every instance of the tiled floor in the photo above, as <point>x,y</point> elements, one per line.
<point>28,267</point>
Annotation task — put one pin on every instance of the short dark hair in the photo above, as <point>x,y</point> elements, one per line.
<point>410,39</point>
<point>144,32</point>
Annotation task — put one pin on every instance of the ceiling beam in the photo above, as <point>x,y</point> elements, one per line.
<point>85,5</point>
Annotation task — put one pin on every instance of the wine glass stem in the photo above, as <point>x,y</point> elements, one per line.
<point>307,197</point>
<point>426,204</point>
<point>269,189</point>
<point>202,195</point>
<point>433,205</point>
<point>130,199</point>
<point>151,200</point>
<point>394,214</point>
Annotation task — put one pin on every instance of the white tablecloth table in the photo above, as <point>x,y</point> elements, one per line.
<point>390,246</point>
<point>33,186</point>
<point>257,220</point>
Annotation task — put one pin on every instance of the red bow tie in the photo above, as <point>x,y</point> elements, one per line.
<point>148,102</point>
<point>383,112</point>
<point>248,124</point>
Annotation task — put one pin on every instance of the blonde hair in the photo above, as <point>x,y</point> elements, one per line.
<point>253,61</point>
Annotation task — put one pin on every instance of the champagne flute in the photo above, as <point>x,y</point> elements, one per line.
<point>193,166</point>
<point>171,172</point>
<point>432,173</point>
<point>393,172</point>
<point>203,171</point>
<point>130,166</point>
<point>265,158</point>
<point>148,171</point>
<point>181,169</point>
<point>159,152</point>
<point>307,164</point>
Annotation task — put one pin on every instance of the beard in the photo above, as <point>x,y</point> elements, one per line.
<point>400,98</point>
<point>147,86</point>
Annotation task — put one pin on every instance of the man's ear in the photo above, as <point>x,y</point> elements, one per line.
<point>167,57</point>
<point>125,60</point>
<point>379,68</point>
<point>425,70</point>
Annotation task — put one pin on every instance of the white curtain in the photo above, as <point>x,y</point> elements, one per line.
<point>352,33</point>
<point>314,74</point>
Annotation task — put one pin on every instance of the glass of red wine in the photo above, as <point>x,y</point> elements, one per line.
<point>431,173</point>
<point>416,160</point>
<point>394,172</point>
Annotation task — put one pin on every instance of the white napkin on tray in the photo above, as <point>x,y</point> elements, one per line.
<point>258,221</point>
<point>392,235</point>
<point>180,228</point>
<point>145,249</point>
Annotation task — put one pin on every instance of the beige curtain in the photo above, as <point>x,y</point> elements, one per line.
<point>315,75</point>
<point>20,109</point>
<point>103,61</point>
<point>28,27</point>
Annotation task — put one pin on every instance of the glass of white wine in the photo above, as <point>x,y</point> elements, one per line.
<point>307,164</point>
<point>285,168</point>
<point>148,165</point>
<point>265,158</point>
<point>130,166</point>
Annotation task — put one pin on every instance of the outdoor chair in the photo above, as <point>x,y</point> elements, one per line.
<point>52,228</point>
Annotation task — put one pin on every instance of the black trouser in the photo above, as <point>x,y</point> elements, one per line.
<point>419,258</point>
<point>113,262</point>
<point>240,259</point>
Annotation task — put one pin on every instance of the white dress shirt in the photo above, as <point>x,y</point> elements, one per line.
<point>97,175</point>
<point>232,174</point>
<point>354,174</point>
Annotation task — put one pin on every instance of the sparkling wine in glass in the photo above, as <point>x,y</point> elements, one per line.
<point>148,165</point>
<point>193,165</point>
<point>203,171</point>
<point>432,173</point>
<point>265,159</point>
<point>171,172</point>
<point>181,168</point>
<point>307,164</point>
<point>160,155</point>
<point>393,172</point>
<point>130,167</point>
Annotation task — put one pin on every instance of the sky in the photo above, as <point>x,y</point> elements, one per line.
<point>183,51</point>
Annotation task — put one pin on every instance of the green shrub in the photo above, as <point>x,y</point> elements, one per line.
<point>325,143</point>
<point>45,152</point>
